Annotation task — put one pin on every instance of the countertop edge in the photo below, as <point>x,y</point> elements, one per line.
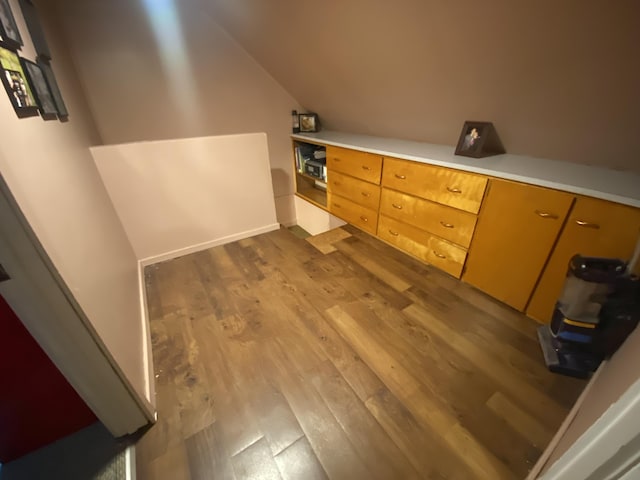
<point>597,182</point>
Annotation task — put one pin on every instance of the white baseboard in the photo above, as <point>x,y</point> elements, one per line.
<point>209,244</point>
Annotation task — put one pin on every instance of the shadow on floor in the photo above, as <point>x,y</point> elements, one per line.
<point>92,453</point>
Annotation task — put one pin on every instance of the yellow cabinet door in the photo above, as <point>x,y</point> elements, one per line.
<point>516,231</point>
<point>595,228</point>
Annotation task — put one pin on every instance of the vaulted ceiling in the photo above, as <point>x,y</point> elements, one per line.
<point>558,79</point>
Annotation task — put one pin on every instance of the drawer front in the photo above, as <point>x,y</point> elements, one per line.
<point>449,223</point>
<point>429,248</point>
<point>358,191</point>
<point>357,215</point>
<point>439,184</point>
<point>362,165</point>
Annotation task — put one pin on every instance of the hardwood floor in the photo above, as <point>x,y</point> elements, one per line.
<point>339,357</point>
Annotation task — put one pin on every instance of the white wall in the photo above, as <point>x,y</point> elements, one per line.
<point>313,219</point>
<point>168,71</point>
<point>49,169</point>
<point>178,196</point>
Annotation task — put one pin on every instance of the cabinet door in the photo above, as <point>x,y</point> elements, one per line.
<point>517,228</point>
<point>595,228</point>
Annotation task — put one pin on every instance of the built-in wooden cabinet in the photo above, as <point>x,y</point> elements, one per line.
<point>516,249</point>
<point>593,228</point>
<point>439,184</point>
<point>516,231</point>
<point>353,186</point>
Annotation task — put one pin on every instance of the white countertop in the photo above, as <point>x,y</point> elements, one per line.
<point>598,182</point>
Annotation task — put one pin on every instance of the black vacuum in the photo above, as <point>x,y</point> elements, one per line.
<point>598,308</point>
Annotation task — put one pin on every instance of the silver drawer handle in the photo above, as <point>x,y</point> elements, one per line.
<point>401,177</point>
<point>447,225</point>
<point>395,234</point>
<point>364,167</point>
<point>584,224</point>
<point>439,255</point>
<point>542,214</point>
<point>363,218</point>
<point>454,190</point>
<point>394,205</point>
<point>337,205</point>
<point>366,194</point>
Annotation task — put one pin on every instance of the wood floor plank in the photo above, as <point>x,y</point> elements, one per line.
<point>208,455</point>
<point>325,435</point>
<point>276,359</point>
<point>256,462</point>
<point>424,450</point>
<point>537,401</point>
<point>374,446</point>
<point>520,420</point>
<point>298,461</point>
<point>419,402</point>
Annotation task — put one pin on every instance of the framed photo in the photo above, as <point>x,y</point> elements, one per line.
<point>35,29</point>
<point>309,122</point>
<point>478,139</point>
<point>39,88</point>
<point>9,34</point>
<point>16,84</point>
<point>53,88</point>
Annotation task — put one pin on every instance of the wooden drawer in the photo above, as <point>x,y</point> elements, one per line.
<point>595,228</point>
<point>362,165</point>
<point>351,212</point>
<point>361,192</point>
<point>449,223</point>
<point>429,248</point>
<point>443,185</point>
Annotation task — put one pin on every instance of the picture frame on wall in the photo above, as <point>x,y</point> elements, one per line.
<point>36,33</point>
<point>16,84</point>
<point>40,89</point>
<point>478,139</point>
<point>53,87</point>
<point>309,122</point>
<point>9,34</point>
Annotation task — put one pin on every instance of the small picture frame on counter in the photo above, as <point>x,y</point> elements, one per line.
<point>309,122</point>
<point>479,139</point>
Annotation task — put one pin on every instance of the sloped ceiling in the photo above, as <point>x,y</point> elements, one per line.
<point>558,79</point>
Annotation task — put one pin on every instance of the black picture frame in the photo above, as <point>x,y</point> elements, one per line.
<point>309,122</point>
<point>53,87</point>
<point>478,139</point>
<point>36,33</point>
<point>16,84</point>
<point>40,89</point>
<point>10,37</point>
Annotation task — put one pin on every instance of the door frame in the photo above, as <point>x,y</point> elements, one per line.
<point>40,298</point>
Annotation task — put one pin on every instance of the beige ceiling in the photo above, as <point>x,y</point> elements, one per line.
<point>558,79</point>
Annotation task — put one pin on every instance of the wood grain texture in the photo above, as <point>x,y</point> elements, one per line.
<point>439,184</point>
<point>452,224</point>
<point>362,165</point>
<point>516,231</point>
<point>612,230</point>
<point>349,211</point>
<point>358,191</point>
<point>277,360</point>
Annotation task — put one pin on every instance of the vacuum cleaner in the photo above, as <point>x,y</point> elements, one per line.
<point>598,308</point>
